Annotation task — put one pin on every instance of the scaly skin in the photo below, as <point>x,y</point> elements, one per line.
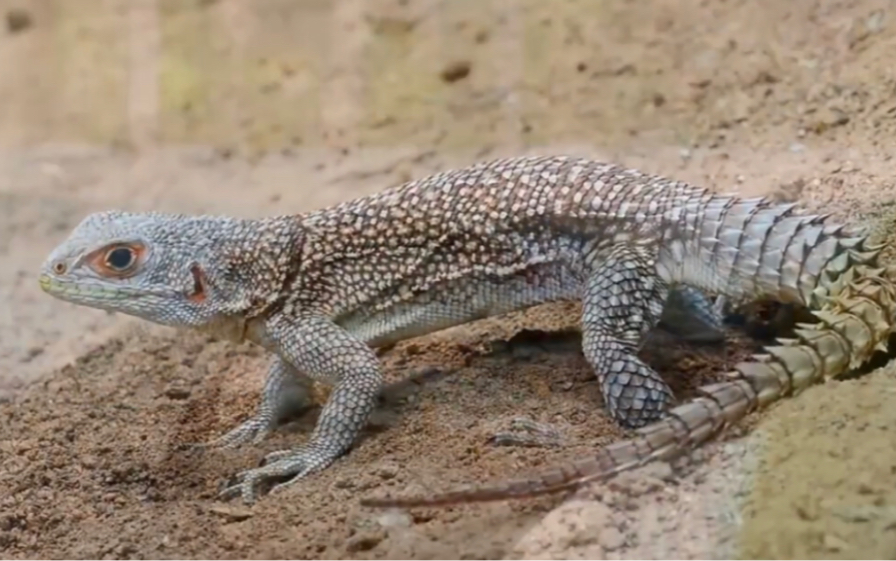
<point>318,290</point>
<point>856,315</point>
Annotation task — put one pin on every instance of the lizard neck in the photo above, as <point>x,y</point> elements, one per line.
<point>257,265</point>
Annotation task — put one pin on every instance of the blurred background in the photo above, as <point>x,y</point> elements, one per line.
<point>256,107</point>
<point>250,78</point>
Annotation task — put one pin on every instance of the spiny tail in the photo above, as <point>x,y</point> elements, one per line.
<point>855,321</point>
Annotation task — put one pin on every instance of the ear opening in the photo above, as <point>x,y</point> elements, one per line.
<point>200,284</point>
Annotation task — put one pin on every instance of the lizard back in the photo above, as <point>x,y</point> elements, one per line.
<point>510,233</point>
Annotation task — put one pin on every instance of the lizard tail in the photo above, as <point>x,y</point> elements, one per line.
<point>855,321</point>
<point>686,424</point>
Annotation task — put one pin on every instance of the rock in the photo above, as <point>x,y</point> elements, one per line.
<point>365,541</point>
<point>231,514</point>
<point>395,518</point>
<point>18,20</point>
<point>457,70</point>
<point>177,393</point>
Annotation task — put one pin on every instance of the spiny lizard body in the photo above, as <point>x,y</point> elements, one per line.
<point>319,290</point>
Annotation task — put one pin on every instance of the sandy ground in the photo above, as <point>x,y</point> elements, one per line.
<point>209,106</point>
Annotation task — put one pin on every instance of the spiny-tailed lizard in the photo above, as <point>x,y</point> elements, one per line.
<point>319,290</point>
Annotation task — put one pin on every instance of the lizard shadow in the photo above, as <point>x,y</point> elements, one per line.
<point>426,374</point>
<point>684,364</point>
<point>557,354</point>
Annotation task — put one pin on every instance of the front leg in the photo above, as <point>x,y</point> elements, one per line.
<point>286,392</point>
<point>326,352</point>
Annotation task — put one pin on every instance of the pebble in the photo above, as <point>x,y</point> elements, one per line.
<point>395,518</point>
<point>230,514</point>
<point>365,541</point>
<point>177,393</point>
<point>457,70</point>
<point>387,471</point>
<point>18,21</point>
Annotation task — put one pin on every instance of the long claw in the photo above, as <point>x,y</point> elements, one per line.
<point>253,431</point>
<point>295,464</point>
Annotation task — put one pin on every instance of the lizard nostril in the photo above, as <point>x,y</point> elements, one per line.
<point>59,267</point>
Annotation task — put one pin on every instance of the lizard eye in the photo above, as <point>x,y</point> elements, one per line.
<point>59,268</point>
<point>120,259</point>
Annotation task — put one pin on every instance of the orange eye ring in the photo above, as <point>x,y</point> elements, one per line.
<point>119,260</point>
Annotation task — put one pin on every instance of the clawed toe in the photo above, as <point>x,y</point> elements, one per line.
<point>289,464</point>
<point>276,456</point>
<point>252,431</point>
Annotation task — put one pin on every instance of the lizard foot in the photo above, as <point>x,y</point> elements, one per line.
<point>289,464</point>
<point>691,316</point>
<point>527,432</point>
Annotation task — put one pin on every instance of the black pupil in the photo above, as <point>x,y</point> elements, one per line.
<point>120,258</point>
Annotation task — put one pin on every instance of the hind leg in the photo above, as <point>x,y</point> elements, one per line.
<point>623,299</point>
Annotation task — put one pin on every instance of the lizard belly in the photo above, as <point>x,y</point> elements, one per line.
<point>463,301</point>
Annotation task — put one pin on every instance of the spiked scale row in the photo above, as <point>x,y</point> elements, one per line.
<point>856,319</point>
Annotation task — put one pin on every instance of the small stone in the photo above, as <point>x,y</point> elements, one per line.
<point>387,471</point>
<point>395,518</point>
<point>18,21</point>
<point>177,393</point>
<point>344,483</point>
<point>457,70</point>
<point>827,119</point>
<point>230,514</point>
<point>365,541</point>
<point>125,550</point>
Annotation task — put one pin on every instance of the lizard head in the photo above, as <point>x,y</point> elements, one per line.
<point>171,269</point>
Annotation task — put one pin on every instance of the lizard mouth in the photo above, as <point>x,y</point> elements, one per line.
<point>77,292</point>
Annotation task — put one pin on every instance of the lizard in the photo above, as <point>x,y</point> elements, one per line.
<point>321,289</point>
<point>855,309</point>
